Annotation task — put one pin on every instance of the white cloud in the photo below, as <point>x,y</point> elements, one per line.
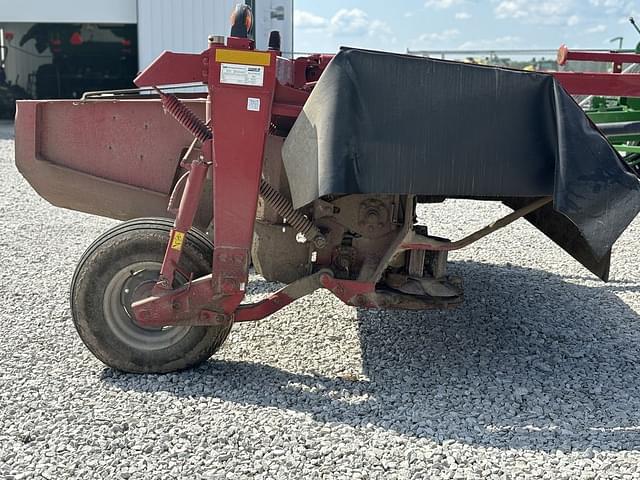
<point>573,20</point>
<point>549,12</point>
<point>442,4</point>
<point>488,44</point>
<point>344,23</point>
<point>635,14</point>
<point>611,4</point>
<point>511,9</point>
<point>308,21</point>
<point>350,22</point>
<point>356,23</point>
<point>597,29</point>
<point>438,36</point>
<point>623,9</point>
<point>463,16</point>
<point>378,27</point>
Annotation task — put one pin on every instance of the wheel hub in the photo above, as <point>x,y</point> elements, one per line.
<point>126,287</point>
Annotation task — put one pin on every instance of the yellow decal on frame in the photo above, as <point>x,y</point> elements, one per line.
<point>177,241</point>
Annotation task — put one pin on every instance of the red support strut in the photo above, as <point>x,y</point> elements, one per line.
<point>242,86</point>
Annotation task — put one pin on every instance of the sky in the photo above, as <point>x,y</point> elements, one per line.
<point>325,25</point>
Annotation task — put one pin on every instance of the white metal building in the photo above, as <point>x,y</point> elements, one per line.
<point>179,26</point>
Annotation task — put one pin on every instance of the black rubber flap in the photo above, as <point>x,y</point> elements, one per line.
<point>387,123</point>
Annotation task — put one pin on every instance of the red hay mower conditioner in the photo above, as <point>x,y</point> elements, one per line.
<point>311,169</point>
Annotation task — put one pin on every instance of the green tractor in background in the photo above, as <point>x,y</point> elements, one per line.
<point>619,117</point>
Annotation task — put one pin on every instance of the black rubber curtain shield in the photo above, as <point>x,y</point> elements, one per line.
<point>387,123</point>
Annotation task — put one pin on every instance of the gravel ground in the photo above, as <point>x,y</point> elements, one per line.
<point>536,376</point>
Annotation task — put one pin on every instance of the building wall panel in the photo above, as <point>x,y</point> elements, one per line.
<point>179,26</point>
<point>185,26</point>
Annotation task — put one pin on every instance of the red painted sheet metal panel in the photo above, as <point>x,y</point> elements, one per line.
<point>174,69</point>
<point>610,84</point>
<point>127,141</point>
<point>57,157</point>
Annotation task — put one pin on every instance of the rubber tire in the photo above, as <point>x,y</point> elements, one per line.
<point>141,240</point>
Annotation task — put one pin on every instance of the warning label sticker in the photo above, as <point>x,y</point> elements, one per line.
<point>251,75</point>
<point>177,241</point>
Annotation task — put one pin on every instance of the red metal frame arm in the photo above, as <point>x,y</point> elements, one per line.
<point>289,294</point>
<point>242,85</point>
<point>607,84</point>
<point>173,69</point>
<point>565,55</point>
<point>288,101</point>
<point>241,117</point>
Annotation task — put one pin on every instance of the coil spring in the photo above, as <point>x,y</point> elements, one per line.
<point>185,117</point>
<point>279,203</point>
<point>298,221</point>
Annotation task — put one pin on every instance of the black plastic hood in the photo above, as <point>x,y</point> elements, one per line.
<point>387,123</point>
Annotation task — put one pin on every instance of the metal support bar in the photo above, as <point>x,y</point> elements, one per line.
<point>282,298</point>
<point>565,55</point>
<point>3,49</point>
<point>413,241</point>
<point>628,148</point>
<point>416,263</point>
<point>109,94</point>
<point>184,221</point>
<point>620,128</point>
<point>614,116</point>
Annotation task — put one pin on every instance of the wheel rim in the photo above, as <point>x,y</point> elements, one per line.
<point>127,286</point>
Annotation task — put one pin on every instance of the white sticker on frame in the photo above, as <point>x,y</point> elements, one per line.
<point>249,75</point>
<point>253,104</point>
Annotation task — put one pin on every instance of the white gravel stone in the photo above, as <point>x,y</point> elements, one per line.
<point>536,376</point>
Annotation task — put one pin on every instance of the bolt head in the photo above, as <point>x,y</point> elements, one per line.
<point>229,286</point>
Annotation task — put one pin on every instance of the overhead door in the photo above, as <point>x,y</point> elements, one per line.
<point>69,11</point>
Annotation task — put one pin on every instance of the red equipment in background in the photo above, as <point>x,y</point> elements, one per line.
<point>612,84</point>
